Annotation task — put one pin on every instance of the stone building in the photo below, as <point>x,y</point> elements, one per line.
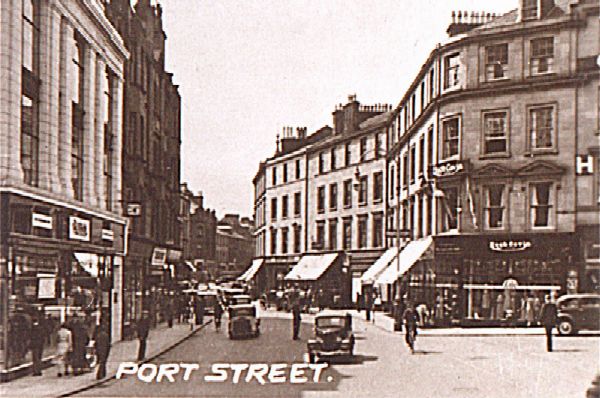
<point>62,233</point>
<point>234,246</point>
<point>151,159</point>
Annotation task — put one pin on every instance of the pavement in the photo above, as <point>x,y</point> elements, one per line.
<point>160,340</point>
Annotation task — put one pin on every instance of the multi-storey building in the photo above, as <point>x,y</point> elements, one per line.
<point>234,246</point>
<point>61,232</point>
<point>495,153</point>
<point>151,159</point>
<point>321,200</point>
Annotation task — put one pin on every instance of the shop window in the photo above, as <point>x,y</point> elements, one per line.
<point>297,203</point>
<point>451,70</point>
<point>333,196</point>
<point>284,206</point>
<point>347,233</point>
<point>541,126</point>
<point>541,203</point>
<point>494,206</point>
<point>362,232</point>
<point>542,55</point>
<point>496,61</point>
<point>450,137</point>
<point>321,199</point>
<point>332,234</point>
<point>377,187</point>
<point>362,190</point>
<point>495,132</point>
<point>347,194</point>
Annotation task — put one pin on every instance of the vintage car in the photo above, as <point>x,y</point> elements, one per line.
<point>243,321</point>
<point>240,299</point>
<point>578,312</point>
<point>333,335</point>
<point>228,293</point>
<point>209,298</point>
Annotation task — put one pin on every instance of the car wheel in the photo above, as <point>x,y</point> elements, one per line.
<point>565,327</point>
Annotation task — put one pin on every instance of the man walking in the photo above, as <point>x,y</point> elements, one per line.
<point>548,318</point>
<point>38,335</point>
<point>410,324</point>
<point>102,350</point>
<point>143,327</point>
<point>296,320</point>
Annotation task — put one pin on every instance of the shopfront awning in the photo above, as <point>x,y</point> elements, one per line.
<point>89,262</point>
<point>411,253</point>
<point>252,270</point>
<point>311,267</point>
<point>190,266</point>
<point>371,274</point>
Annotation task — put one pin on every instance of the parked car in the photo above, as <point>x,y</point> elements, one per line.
<point>209,298</point>
<point>333,335</point>
<point>243,321</point>
<point>578,312</point>
<point>227,294</point>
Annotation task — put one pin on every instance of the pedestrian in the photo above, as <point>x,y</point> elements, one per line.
<point>102,350</point>
<point>530,310</point>
<point>80,340</point>
<point>485,304</point>
<point>296,318</point>
<point>548,318</point>
<point>409,318</point>
<point>191,313</point>
<point>368,305</point>
<point>199,310</point>
<point>143,328</point>
<point>38,336</point>
<point>169,311</point>
<point>217,313</point>
<point>63,349</point>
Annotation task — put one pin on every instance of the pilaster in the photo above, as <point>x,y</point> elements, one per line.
<point>66,109</point>
<point>89,129</point>
<point>99,132</point>
<point>117,128</point>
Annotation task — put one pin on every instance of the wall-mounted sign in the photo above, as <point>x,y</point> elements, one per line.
<point>79,228</point>
<point>509,245</point>
<point>134,209</point>
<point>108,234</point>
<point>447,169</point>
<point>159,256</point>
<point>41,221</point>
<point>47,287</point>
<point>584,165</point>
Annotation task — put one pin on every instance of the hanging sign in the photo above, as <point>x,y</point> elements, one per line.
<point>159,256</point>
<point>447,169</point>
<point>79,228</point>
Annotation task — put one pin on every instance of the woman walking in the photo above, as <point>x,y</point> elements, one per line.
<point>63,349</point>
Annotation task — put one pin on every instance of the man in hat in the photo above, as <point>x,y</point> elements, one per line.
<point>102,350</point>
<point>548,318</point>
<point>143,328</point>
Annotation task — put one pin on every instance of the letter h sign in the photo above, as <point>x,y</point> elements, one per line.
<point>584,165</point>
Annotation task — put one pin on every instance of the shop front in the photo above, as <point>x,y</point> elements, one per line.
<point>58,264</point>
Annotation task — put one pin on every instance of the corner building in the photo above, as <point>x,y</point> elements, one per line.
<point>61,232</point>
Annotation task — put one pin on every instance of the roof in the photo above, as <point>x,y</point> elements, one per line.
<point>376,121</point>
<point>311,267</point>
<point>331,313</point>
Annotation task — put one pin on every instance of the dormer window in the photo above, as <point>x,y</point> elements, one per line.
<point>496,61</point>
<point>542,55</point>
<point>530,10</point>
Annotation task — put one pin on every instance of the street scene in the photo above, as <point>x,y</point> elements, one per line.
<point>299,198</point>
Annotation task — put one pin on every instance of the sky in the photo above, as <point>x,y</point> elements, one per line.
<point>246,69</point>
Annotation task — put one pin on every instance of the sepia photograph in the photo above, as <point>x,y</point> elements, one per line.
<point>300,198</point>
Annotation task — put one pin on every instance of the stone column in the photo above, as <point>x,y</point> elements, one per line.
<point>10,92</point>
<point>99,132</point>
<point>49,70</point>
<point>66,109</point>
<point>89,129</point>
<point>117,129</point>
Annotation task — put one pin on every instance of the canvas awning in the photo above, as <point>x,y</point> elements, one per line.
<point>411,253</point>
<point>190,266</point>
<point>252,270</point>
<point>311,267</point>
<point>371,274</point>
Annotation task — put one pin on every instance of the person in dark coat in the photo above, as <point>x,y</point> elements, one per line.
<point>296,318</point>
<point>409,318</point>
<point>143,328</point>
<point>80,340</point>
<point>169,311</point>
<point>102,350</point>
<point>548,318</point>
<point>38,336</point>
<point>218,313</point>
<point>199,310</point>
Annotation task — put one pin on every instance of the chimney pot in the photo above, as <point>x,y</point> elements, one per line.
<point>453,16</point>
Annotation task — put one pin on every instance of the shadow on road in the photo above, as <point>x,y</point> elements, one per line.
<point>423,352</point>
<point>349,360</point>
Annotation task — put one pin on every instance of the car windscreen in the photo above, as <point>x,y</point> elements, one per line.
<point>243,312</point>
<point>325,322</point>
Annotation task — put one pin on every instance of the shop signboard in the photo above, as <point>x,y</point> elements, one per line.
<point>510,245</point>
<point>79,228</point>
<point>159,256</point>
<point>41,221</point>
<point>447,169</point>
<point>108,234</point>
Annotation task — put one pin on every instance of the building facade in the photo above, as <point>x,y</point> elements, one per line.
<point>234,246</point>
<point>62,236</point>
<point>151,160</point>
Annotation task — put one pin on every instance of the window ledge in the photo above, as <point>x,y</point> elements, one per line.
<point>496,79</point>
<point>333,208</point>
<point>377,201</point>
<point>498,155</point>
<point>363,204</point>
<point>347,206</point>
<point>541,152</point>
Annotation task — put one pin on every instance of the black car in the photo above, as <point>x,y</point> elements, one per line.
<point>578,312</point>
<point>333,335</point>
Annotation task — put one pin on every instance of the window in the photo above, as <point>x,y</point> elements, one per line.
<point>496,61</point>
<point>333,234</point>
<point>494,206</point>
<point>273,208</point>
<point>284,240</point>
<point>542,55</point>
<point>347,233</point>
<point>363,149</point>
<point>429,215</point>
<point>413,107</point>
<point>285,172</point>
<point>333,159</point>
<point>413,163</point>
<point>451,135</point>
<point>321,163</point>
<point>529,9</point>
<point>431,84</point>
<point>284,206</point>
<point>451,70</point>
<point>495,132</point>
<point>29,140</point>
<point>347,155</point>
<point>108,137</point>
<point>378,150</point>
<point>422,96</point>
<point>297,238</point>
<point>541,127</point>
<point>297,203</point>
<point>333,196</point>
<point>29,35</point>
<point>391,179</point>
<point>298,174</point>
<point>430,147</point>
<point>451,206</point>
<point>405,170</point>
<point>321,199</point>
<point>422,156</point>
<point>347,193</point>
<point>541,204</point>
<point>362,190</point>
<point>377,187</point>
<point>273,240</point>
<point>405,215</point>
<point>274,175</point>
<point>362,231</point>
<point>320,239</point>
<point>377,230</point>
